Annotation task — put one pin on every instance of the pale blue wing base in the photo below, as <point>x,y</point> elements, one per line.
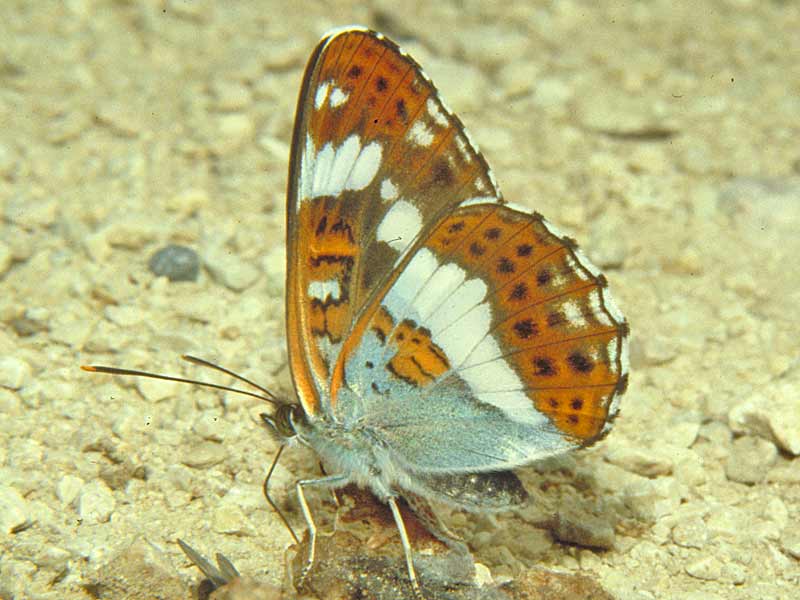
<point>449,431</point>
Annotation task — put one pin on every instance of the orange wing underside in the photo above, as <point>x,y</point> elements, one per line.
<point>361,87</point>
<point>550,318</point>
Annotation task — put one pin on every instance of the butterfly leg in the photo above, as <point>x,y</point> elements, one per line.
<point>329,481</point>
<point>412,574</point>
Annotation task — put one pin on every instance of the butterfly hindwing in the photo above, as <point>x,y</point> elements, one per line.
<point>499,329</point>
<point>376,162</point>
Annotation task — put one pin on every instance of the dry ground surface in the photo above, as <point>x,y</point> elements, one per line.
<point>664,138</point>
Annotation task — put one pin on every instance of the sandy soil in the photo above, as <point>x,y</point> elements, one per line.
<point>664,139</point>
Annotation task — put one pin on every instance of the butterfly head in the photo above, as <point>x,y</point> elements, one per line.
<point>283,422</point>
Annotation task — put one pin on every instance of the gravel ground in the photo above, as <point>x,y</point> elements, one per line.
<point>664,138</point>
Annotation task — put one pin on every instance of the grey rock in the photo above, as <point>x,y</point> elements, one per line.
<point>583,529</point>
<point>176,263</point>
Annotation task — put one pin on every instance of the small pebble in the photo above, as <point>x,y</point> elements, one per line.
<point>750,459</point>
<point>274,265</point>
<point>551,92</point>
<point>156,390</point>
<point>68,488</point>
<point>189,201</point>
<point>176,263</point>
<point>691,533</point>
<point>96,502</point>
<point>583,529</point>
<point>5,258</point>
<point>651,499</point>
<point>230,95</point>
<point>790,542</point>
<point>8,160</point>
<point>706,568</point>
<point>14,510</point>
<point>642,461</point>
<point>203,455</point>
<point>465,84</point>
<point>229,518</point>
<point>682,434</point>
<point>140,570</point>
<point>233,130</point>
<point>773,413</point>
<point>229,270</point>
<point>14,372</point>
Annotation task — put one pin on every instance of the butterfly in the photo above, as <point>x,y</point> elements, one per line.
<point>438,336</point>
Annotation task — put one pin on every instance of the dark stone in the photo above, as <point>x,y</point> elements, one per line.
<point>176,263</point>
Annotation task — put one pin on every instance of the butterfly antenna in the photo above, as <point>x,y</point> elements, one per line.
<point>204,363</point>
<point>267,397</point>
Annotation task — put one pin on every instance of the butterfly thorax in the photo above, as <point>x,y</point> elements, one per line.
<point>351,450</point>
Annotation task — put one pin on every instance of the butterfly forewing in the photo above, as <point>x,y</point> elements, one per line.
<point>377,161</point>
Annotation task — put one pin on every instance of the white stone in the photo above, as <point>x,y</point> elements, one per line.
<point>68,488</point>
<point>96,502</point>
<point>121,116</point>
<point>6,258</point>
<point>274,266</point>
<point>483,576</point>
<point>656,498</point>
<point>519,77</point>
<point>156,390</point>
<point>690,533</point>
<point>682,434</point>
<point>232,132</point>
<point>463,85</point>
<point>14,510</point>
<point>8,160</point>
<point>14,372</point>
<point>230,270</point>
<point>209,426</point>
<point>125,315</point>
<point>229,518</point>
<point>647,462</point>
<point>10,406</point>
<point>773,413</point>
<point>32,211</point>
<point>188,201</point>
<point>72,332</point>
<point>276,149</point>
<point>203,455</point>
<point>551,92</point>
<point>230,95</point>
<point>790,542</point>
<point>490,44</point>
<point>707,568</point>
<point>249,497</point>
<point>726,521</point>
<point>750,459</point>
